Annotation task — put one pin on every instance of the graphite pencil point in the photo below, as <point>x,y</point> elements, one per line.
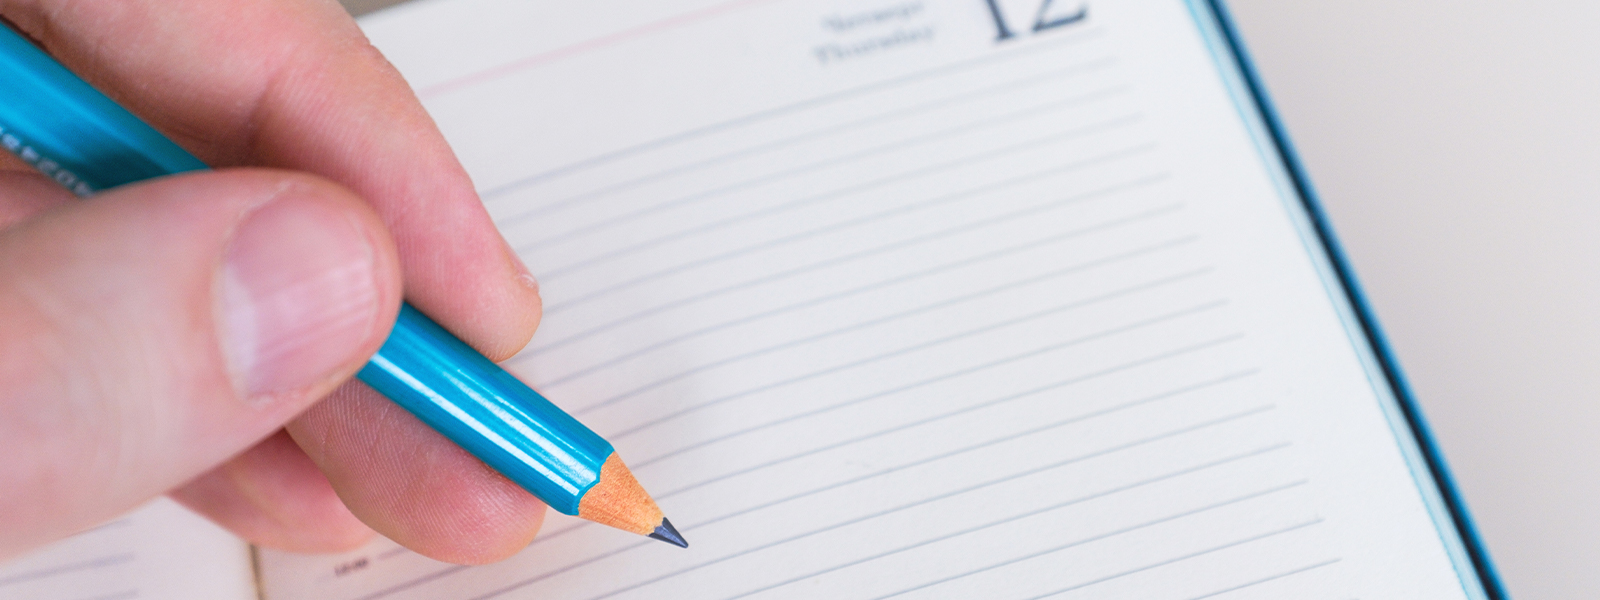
<point>669,534</point>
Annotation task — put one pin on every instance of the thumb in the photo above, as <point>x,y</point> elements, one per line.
<point>152,332</point>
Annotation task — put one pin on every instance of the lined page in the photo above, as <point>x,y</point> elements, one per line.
<point>159,551</point>
<point>930,298</point>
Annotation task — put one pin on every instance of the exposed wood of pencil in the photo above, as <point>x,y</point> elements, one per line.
<point>619,501</point>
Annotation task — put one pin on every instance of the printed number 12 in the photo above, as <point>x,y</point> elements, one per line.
<point>1040,23</point>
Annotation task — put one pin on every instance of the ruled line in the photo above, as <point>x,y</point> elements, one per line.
<point>990,443</point>
<point>673,22</point>
<point>393,552</point>
<point>1003,55</point>
<point>1129,365</point>
<point>888,116</point>
<point>555,273</point>
<point>990,327</point>
<point>411,583</point>
<point>1179,559</point>
<point>1267,579</point>
<point>527,582</point>
<point>1172,393</point>
<point>987,328</point>
<point>767,119</point>
<point>914,141</point>
<point>867,253</point>
<point>888,319</point>
<point>97,563</point>
<point>1116,408</point>
<point>545,538</point>
<point>1081,541</point>
<point>1062,463</point>
<point>1193,310</point>
<point>945,303</point>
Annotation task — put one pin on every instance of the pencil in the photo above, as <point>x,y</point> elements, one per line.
<point>512,428</point>
<point>86,142</point>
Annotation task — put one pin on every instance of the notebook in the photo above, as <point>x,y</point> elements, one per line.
<point>1002,299</point>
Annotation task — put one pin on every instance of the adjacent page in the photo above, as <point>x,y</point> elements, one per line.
<point>159,551</point>
<point>917,298</point>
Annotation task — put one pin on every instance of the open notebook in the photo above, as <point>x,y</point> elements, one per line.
<point>1001,299</point>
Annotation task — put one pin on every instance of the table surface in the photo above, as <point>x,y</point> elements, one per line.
<point>1456,146</point>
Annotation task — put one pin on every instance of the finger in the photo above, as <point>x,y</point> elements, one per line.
<point>411,484</point>
<point>294,84</point>
<point>25,194</point>
<point>9,162</point>
<point>300,88</point>
<point>274,496</point>
<point>148,335</point>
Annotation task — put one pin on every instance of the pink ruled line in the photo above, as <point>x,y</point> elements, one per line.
<point>493,73</point>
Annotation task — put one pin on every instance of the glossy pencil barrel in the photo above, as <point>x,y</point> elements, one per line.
<point>87,142</point>
<point>485,410</point>
<point>73,133</point>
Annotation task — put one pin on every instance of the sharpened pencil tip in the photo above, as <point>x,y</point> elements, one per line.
<point>669,534</point>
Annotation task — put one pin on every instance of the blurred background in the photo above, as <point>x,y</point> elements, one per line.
<point>1456,146</point>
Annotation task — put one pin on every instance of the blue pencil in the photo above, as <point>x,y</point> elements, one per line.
<point>83,140</point>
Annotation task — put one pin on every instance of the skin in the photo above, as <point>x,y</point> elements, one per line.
<point>113,385</point>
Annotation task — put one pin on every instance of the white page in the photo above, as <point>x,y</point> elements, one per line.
<point>159,551</point>
<point>879,306</point>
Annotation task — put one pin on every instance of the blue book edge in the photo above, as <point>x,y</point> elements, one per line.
<point>1437,467</point>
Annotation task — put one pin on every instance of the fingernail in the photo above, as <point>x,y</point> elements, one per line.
<point>297,298</point>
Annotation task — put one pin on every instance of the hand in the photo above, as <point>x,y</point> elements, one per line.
<point>177,335</point>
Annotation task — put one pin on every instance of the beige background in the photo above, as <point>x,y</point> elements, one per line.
<point>1457,147</point>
